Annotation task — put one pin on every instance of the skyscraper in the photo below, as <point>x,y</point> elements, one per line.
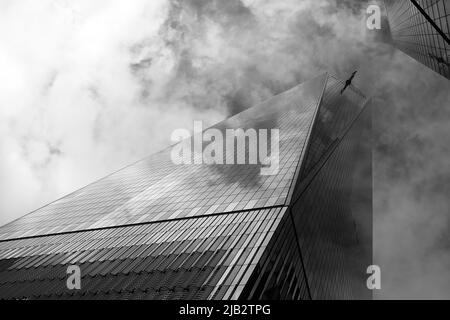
<point>157,230</point>
<point>421,29</point>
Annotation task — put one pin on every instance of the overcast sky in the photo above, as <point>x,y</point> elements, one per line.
<point>90,86</point>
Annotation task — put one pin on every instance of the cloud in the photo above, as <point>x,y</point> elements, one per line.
<point>90,86</point>
<point>71,108</point>
<point>412,181</point>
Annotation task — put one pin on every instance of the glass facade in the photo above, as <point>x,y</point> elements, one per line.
<point>156,189</point>
<point>208,257</point>
<point>421,29</point>
<point>333,216</point>
<point>156,230</point>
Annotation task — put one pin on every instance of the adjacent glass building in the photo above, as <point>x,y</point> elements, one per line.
<point>156,230</point>
<point>420,28</point>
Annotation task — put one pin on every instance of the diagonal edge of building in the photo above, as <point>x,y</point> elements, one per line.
<point>267,252</point>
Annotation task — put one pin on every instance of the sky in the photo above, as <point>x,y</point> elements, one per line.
<point>91,86</point>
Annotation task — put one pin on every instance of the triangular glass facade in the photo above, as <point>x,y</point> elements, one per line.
<point>156,230</point>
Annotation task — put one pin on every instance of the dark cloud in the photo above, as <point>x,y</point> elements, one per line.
<point>229,14</point>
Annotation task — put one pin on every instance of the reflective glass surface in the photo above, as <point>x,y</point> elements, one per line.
<point>332,212</point>
<point>280,273</point>
<point>202,258</point>
<point>155,230</point>
<point>156,189</point>
<point>417,37</point>
<point>336,113</point>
